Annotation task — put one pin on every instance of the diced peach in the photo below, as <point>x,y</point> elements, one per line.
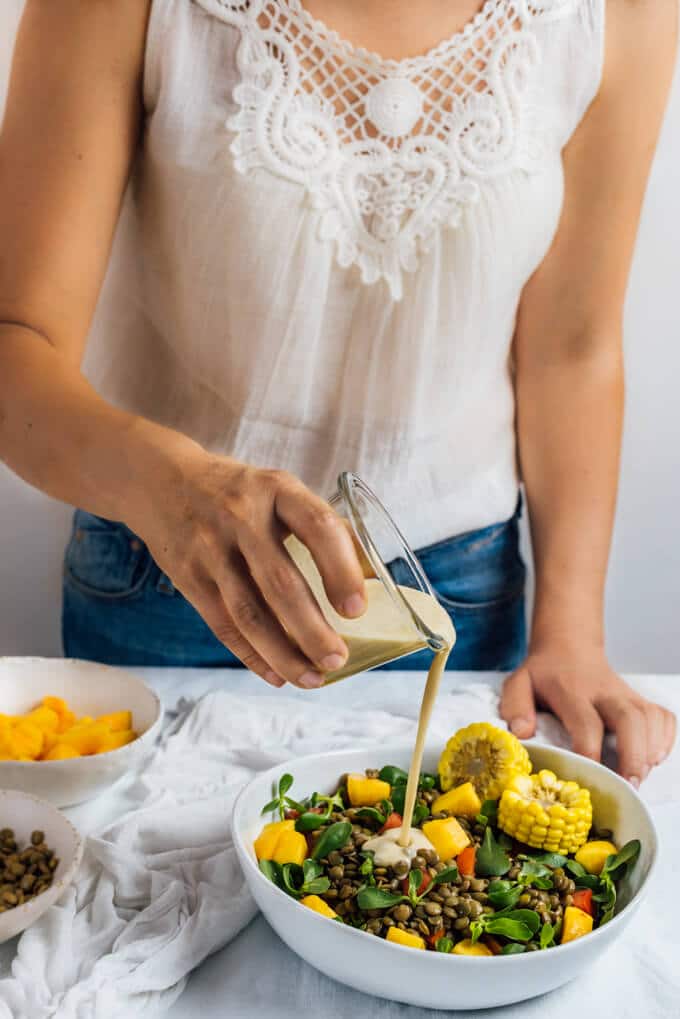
<point>291,847</point>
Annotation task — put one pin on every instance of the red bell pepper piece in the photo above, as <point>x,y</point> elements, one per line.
<point>395,820</point>
<point>433,938</point>
<point>583,899</point>
<point>466,861</point>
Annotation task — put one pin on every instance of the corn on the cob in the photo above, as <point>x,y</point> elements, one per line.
<point>484,755</point>
<point>542,811</point>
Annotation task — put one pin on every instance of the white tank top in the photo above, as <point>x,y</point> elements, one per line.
<point>321,252</point>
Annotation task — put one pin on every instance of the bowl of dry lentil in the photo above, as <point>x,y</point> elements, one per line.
<point>325,903</point>
<point>40,852</point>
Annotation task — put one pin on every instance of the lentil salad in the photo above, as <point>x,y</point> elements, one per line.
<point>468,886</point>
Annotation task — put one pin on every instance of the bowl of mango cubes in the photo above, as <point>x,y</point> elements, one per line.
<point>70,729</point>
<point>524,863</point>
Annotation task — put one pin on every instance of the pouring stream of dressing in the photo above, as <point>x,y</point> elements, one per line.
<point>381,634</point>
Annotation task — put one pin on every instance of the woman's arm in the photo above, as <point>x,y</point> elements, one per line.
<point>73,122</point>
<point>570,391</point>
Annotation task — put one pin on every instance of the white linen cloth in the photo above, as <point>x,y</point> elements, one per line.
<point>160,887</point>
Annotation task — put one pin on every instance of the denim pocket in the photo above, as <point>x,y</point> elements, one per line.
<point>477,571</point>
<point>104,559</point>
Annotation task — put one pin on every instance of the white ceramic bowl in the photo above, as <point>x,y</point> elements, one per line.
<point>427,979</point>
<point>26,814</point>
<point>89,689</point>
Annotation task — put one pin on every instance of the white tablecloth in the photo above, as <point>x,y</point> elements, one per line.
<point>257,976</point>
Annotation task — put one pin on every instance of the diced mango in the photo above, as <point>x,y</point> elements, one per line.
<point>291,847</point>
<point>60,752</point>
<point>576,923</point>
<point>266,841</point>
<point>45,718</point>
<point>592,855</point>
<point>116,739</point>
<point>468,947</point>
<point>86,738</point>
<point>117,721</point>
<point>447,837</point>
<point>28,738</point>
<point>462,801</point>
<point>400,937</point>
<point>365,792</point>
<point>316,903</point>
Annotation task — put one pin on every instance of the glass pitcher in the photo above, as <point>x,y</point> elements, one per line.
<point>399,594</point>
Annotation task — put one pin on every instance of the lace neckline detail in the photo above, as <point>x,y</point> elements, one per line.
<point>407,64</point>
<point>389,151</point>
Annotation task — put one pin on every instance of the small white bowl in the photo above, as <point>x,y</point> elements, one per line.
<point>428,979</point>
<point>25,814</point>
<point>89,689</point>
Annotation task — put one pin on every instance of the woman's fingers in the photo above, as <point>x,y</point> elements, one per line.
<point>287,594</point>
<point>320,528</point>
<point>580,718</point>
<point>254,620</point>
<point>670,730</point>
<point>206,599</point>
<point>656,735</point>
<point>626,717</point>
<point>517,705</point>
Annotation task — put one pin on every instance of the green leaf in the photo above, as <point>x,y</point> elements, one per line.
<point>606,898</point>
<point>420,812</point>
<point>395,776</point>
<point>398,797</point>
<point>310,822</point>
<point>587,881</point>
<point>575,868</point>
<point>414,881</point>
<point>444,945</point>
<point>504,894</point>
<point>477,928</point>
<point>513,929</point>
<point>547,936</point>
<point>372,814</point>
<point>316,887</point>
<point>292,878</point>
<point>513,949</point>
<point>552,860</point>
<point>536,874</point>
<point>489,812</point>
<point>370,897</point>
<point>366,867</point>
<point>272,805</point>
<point>491,860</point>
<point>285,782</point>
<point>271,870</point>
<point>310,870</point>
<point>334,837</point>
<point>618,865</point>
<point>529,917</point>
<point>447,875</point>
<point>427,781</point>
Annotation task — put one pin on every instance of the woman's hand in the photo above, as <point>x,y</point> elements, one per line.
<point>218,530</point>
<point>588,697</point>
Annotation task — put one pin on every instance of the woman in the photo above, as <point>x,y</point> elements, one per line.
<point>412,266</point>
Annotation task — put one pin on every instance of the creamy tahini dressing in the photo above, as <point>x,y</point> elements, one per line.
<point>387,851</point>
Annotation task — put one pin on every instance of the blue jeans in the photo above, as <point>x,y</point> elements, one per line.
<point>121,609</point>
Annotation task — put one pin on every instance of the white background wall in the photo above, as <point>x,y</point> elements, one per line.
<point>643,611</point>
